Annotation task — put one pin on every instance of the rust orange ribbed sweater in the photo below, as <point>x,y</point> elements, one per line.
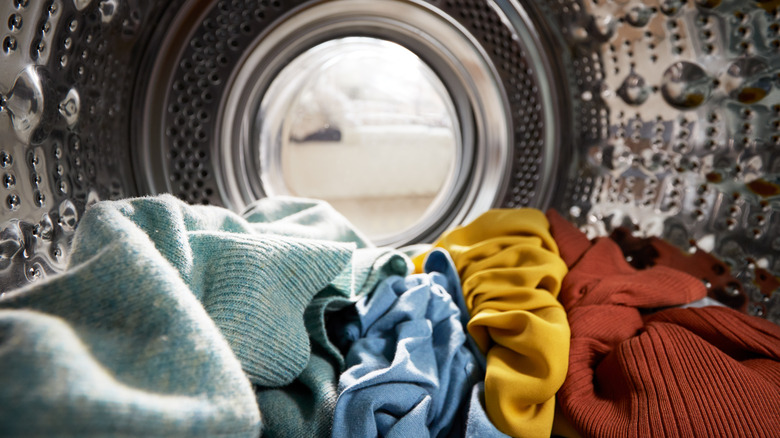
<point>723,286</point>
<point>709,371</point>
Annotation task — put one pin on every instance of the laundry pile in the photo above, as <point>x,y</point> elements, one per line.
<point>178,320</point>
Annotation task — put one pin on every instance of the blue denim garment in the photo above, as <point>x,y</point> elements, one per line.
<point>409,370</point>
<point>476,423</point>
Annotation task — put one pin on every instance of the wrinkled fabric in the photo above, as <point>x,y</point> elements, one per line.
<point>511,274</point>
<point>318,220</point>
<point>708,371</point>
<point>408,369</point>
<point>472,421</point>
<point>302,218</point>
<point>161,307</point>
<point>605,277</point>
<point>304,408</point>
<point>478,425</point>
<point>722,285</point>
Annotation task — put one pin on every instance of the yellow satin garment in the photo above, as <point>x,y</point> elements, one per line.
<point>511,273</point>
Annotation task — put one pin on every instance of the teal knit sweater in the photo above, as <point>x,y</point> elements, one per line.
<point>168,313</point>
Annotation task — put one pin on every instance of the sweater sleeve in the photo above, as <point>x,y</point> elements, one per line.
<point>511,273</point>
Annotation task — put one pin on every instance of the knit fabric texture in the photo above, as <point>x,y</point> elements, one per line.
<point>160,308</point>
<point>511,274</point>
<point>304,407</point>
<point>605,277</point>
<point>709,371</point>
<point>722,285</point>
<point>408,370</point>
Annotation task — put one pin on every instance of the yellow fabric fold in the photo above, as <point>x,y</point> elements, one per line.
<point>511,272</point>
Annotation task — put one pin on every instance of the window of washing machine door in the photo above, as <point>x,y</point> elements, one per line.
<point>366,125</point>
<point>222,126</point>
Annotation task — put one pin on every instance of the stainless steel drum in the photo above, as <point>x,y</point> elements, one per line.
<point>410,116</point>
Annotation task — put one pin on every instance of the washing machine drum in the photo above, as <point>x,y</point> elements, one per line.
<point>409,116</point>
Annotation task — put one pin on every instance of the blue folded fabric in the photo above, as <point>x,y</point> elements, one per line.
<point>408,369</point>
<point>473,421</point>
<point>478,425</point>
<point>161,307</point>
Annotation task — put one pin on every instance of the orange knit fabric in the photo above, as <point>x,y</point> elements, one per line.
<point>723,286</point>
<point>709,371</point>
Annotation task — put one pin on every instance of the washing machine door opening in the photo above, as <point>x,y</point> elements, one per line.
<point>366,125</point>
<point>408,117</point>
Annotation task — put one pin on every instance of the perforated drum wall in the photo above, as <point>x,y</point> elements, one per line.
<point>662,116</point>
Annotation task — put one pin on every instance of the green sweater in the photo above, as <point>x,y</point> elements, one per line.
<point>168,312</point>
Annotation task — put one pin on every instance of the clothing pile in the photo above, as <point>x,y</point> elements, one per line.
<point>178,320</point>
